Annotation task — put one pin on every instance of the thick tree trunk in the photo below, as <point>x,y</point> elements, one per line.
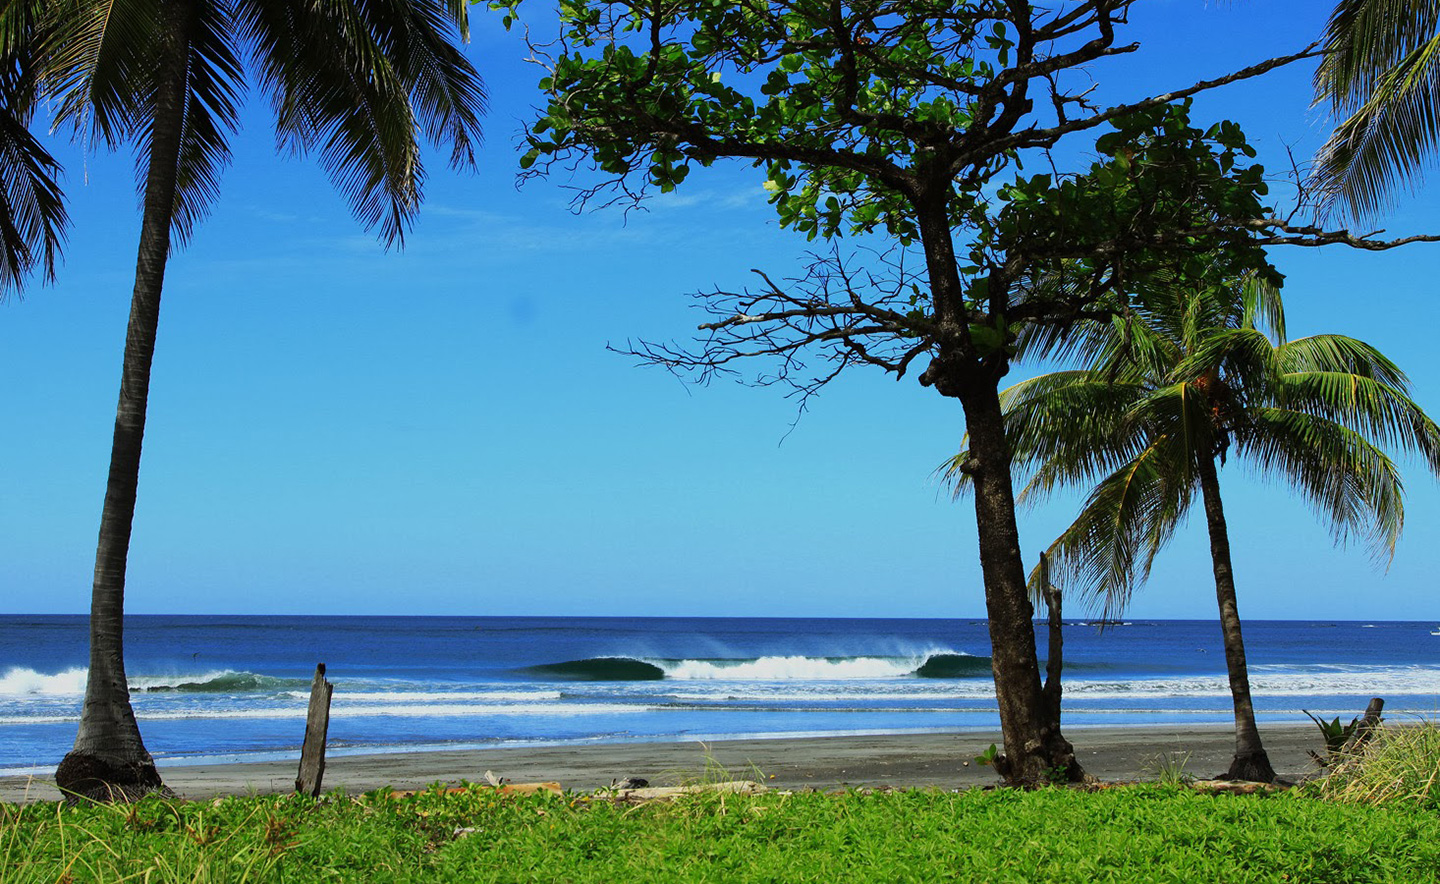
<point>1250,761</point>
<point>109,760</point>
<point>1035,749</point>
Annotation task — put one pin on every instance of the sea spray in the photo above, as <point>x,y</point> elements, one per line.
<point>19,681</point>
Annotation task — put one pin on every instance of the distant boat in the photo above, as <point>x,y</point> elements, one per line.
<point>1435,631</point>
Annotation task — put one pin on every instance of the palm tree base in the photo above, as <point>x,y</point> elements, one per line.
<point>1252,767</point>
<point>85,777</point>
<point>1052,764</point>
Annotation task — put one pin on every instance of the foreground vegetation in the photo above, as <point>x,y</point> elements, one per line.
<point>1143,833</point>
<point>1374,818</point>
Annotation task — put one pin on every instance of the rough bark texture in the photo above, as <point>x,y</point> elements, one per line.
<point>1250,761</point>
<point>1055,657</point>
<point>109,760</point>
<point>1036,751</point>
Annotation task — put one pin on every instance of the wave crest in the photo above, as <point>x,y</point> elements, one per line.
<point>224,682</point>
<point>18,682</point>
<point>936,664</point>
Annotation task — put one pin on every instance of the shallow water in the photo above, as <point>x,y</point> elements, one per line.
<point>235,688</point>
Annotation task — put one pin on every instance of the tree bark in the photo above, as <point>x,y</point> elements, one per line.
<point>1250,761</point>
<point>109,760</point>
<point>1035,750</point>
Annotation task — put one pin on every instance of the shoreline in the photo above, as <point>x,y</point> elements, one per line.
<point>946,760</point>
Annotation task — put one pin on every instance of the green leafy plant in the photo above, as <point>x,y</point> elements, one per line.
<point>1168,768</point>
<point>1335,733</point>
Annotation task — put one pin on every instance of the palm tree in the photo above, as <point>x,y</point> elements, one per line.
<point>1381,76</point>
<point>351,81</point>
<point>1173,390</point>
<point>32,210</point>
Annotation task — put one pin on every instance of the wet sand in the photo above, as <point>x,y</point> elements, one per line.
<point>945,760</point>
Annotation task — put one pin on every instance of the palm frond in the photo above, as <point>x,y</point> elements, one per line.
<point>1340,353</point>
<point>1262,307</point>
<point>1243,356</point>
<point>100,65</point>
<point>1109,549</point>
<point>1060,427</point>
<point>1364,40</point>
<point>1388,139</point>
<point>1347,480</point>
<point>341,78</point>
<point>33,218</point>
<point>445,89</point>
<point>211,117</point>
<point>1364,405</point>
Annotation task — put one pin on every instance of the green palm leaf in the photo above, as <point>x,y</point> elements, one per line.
<point>1381,72</point>
<point>1350,483</point>
<point>33,218</point>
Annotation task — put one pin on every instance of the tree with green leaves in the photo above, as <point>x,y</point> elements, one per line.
<point>354,83</point>
<point>896,123</point>
<point>1173,388</point>
<point>1381,75</point>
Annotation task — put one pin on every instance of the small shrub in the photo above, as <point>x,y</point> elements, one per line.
<point>1398,764</point>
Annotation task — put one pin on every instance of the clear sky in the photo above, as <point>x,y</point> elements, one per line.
<point>338,429</point>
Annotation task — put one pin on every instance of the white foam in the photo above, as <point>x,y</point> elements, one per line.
<point>20,682</point>
<point>442,696</point>
<point>794,667</point>
<point>417,710</point>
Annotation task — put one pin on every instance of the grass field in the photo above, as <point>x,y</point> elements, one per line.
<point>1375,818</point>
<point>1141,833</point>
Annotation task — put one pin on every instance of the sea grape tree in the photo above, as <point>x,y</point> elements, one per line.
<point>906,124</point>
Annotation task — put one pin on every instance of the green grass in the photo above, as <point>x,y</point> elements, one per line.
<point>1400,764</point>
<point>1154,833</point>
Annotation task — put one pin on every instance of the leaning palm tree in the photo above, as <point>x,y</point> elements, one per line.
<point>1381,76</point>
<point>32,210</point>
<point>352,81</point>
<point>1170,393</point>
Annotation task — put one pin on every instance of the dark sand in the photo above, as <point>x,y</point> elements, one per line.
<point>1111,754</point>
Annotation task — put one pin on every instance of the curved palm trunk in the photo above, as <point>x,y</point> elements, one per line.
<point>1035,749</point>
<point>109,760</point>
<point>1250,761</point>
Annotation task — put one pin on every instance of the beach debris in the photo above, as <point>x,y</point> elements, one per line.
<point>494,780</point>
<point>630,783</point>
<point>1237,787</point>
<point>317,726</point>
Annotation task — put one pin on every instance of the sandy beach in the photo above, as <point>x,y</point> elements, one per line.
<point>1111,754</point>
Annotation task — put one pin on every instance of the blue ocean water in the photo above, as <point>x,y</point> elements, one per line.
<point>235,688</point>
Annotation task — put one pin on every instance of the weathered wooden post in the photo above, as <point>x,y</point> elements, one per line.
<point>1055,657</point>
<point>1364,728</point>
<point>317,725</point>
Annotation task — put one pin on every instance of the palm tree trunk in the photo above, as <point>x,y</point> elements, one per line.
<point>1250,761</point>
<point>1035,749</point>
<point>109,760</point>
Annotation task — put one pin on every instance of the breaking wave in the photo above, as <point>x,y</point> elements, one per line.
<point>226,682</point>
<point>19,682</point>
<point>938,664</point>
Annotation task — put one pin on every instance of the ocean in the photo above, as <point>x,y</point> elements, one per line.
<point>229,689</point>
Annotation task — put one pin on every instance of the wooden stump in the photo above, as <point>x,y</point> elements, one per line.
<point>1364,729</point>
<point>317,725</point>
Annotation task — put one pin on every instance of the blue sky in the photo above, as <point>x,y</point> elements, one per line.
<point>339,429</point>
